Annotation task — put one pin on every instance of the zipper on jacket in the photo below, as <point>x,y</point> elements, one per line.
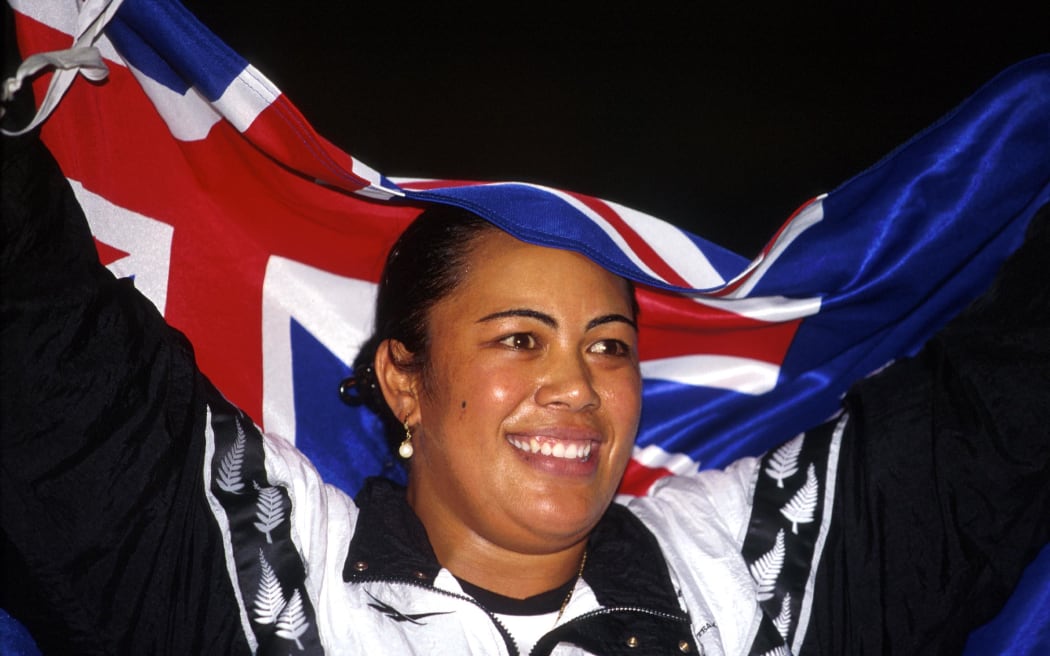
<point>512,645</point>
<point>608,611</point>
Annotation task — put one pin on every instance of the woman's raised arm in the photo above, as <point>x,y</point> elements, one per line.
<point>108,544</point>
<point>944,486</point>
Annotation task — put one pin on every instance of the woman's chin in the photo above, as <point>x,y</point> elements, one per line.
<point>562,520</point>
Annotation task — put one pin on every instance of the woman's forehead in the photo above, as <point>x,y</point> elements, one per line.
<point>504,269</point>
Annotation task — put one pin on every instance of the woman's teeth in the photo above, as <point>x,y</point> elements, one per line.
<point>570,451</point>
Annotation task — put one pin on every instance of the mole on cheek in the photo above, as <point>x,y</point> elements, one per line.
<point>463,405</point>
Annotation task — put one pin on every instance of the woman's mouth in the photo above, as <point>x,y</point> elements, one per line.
<point>576,450</point>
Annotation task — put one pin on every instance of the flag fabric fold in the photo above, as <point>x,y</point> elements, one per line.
<point>262,241</point>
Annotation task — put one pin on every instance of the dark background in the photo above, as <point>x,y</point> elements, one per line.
<point>720,119</point>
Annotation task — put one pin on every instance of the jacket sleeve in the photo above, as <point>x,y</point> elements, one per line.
<point>107,541</point>
<point>943,486</point>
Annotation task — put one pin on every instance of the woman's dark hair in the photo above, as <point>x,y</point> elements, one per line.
<point>425,265</point>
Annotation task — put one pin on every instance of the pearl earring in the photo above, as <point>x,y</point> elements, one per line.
<point>406,450</point>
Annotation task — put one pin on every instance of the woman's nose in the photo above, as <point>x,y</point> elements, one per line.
<point>568,383</point>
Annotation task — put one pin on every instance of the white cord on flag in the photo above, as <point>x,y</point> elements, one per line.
<point>83,58</point>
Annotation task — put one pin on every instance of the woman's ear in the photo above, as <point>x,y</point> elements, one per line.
<point>400,384</point>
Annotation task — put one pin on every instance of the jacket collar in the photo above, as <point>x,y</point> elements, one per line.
<point>625,567</point>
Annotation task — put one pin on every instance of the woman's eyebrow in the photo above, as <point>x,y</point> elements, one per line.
<point>550,321</point>
<point>521,312</point>
<point>608,318</point>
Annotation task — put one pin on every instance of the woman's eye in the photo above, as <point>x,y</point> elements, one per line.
<point>613,347</point>
<point>519,341</point>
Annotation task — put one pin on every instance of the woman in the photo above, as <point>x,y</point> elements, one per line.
<point>528,365</point>
<point>159,519</point>
<point>523,301</point>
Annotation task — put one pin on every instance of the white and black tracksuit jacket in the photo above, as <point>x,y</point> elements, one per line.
<point>142,513</point>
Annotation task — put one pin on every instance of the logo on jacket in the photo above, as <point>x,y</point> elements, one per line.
<point>397,615</point>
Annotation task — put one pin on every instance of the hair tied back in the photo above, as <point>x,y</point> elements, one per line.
<point>355,389</point>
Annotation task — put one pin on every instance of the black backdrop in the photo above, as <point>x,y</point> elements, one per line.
<point>719,119</point>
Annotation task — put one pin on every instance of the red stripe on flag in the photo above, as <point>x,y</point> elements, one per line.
<point>108,254</point>
<point>639,478</point>
<point>640,247</point>
<point>296,141</point>
<point>673,325</point>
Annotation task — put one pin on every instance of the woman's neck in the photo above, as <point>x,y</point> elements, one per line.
<point>508,573</point>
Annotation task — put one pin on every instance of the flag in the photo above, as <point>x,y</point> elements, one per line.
<point>262,241</point>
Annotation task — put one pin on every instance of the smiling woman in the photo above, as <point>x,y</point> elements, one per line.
<point>520,395</point>
<point>541,346</point>
<point>528,364</point>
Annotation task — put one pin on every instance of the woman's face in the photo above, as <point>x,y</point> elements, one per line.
<point>528,408</point>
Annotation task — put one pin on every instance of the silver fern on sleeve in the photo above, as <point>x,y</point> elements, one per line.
<point>783,463</point>
<point>783,620</point>
<point>292,623</point>
<point>269,510</point>
<point>229,476</point>
<point>269,599</point>
<point>801,508</point>
<point>767,568</point>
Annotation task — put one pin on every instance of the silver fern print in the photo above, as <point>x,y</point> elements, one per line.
<point>229,476</point>
<point>802,506</point>
<point>767,568</point>
<point>784,461</point>
<point>269,599</point>
<point>783,620</point>
<point>782,650</point>
<point>292,623</point>
<point>269,510</point>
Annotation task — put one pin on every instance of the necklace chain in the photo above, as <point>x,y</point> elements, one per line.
<point>568,597</point>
